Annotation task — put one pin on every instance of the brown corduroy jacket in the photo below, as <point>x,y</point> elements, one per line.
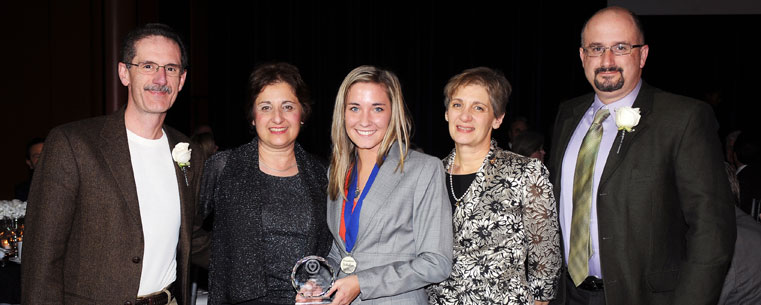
<point>84,237</point>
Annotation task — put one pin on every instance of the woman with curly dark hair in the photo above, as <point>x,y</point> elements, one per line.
<point>268,197</point>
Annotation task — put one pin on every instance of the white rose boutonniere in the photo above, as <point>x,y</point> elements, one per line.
<point>626,119</point>
<point>181,155</point>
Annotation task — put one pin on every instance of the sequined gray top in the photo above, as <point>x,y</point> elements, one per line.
<point>262,224</point>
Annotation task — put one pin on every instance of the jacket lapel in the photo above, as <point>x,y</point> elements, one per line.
<point>115,152</point>
<point>644,102</point>
<point>472,196</point>
<point>385,182</point>
<point>486,173</point>
<point>183,187</point>
<point>567,127</point>
<point>316,194</point>
<point>334,219</point>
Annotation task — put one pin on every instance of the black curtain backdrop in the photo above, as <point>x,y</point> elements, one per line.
<point>59,60</point>
<point>535,45</point>
<point>423,43</point>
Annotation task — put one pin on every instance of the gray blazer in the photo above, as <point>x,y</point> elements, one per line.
<point>404,241</point>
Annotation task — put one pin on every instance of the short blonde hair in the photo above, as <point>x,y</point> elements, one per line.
<point>399,128</point>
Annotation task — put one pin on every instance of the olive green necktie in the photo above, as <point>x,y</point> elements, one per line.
<point>581,247</point>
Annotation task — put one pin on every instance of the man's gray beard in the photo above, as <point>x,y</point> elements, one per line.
<point>608,86</point>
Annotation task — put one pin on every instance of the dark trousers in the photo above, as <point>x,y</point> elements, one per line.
<point>577,296</point>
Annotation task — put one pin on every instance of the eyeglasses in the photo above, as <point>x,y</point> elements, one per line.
<point>149,68</point>
<point>618,49</point>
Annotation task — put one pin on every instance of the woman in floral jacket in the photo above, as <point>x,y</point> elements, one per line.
<point>506,237</point>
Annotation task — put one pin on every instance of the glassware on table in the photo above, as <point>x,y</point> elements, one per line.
<point>11,236</point>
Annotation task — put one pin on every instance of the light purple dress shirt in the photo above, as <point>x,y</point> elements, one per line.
<point>569,168</point>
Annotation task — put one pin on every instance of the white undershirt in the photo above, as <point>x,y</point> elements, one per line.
<point>159,198</point>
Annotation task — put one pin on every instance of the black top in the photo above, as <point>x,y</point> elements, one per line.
<point>286,221</point>
<point>461,184</point>
<point>262,224</point>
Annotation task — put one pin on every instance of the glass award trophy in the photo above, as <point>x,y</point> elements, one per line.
<point>312,278</point>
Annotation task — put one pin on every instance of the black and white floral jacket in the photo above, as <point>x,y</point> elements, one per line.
<point>506,236</point>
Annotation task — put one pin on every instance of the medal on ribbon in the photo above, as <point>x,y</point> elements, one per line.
<point>351,216</point>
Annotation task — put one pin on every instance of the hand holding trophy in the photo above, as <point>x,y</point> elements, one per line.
<point>312,278</point>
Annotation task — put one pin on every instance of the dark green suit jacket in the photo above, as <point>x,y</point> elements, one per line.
<point>664,209</point>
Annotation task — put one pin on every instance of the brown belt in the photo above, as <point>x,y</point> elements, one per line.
<point>157,298</point>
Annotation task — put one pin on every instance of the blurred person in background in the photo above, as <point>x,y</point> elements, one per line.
<point>530,144</point>
<point>517,126</point>
<point>33,152</point>
<point>205,141</point>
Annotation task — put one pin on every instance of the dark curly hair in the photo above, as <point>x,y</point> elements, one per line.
<point>272,73</point>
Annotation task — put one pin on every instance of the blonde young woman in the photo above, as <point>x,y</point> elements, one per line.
<point>506,240</point>
<point>387,205</point>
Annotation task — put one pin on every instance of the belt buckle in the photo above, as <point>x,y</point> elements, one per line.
<point>159,298</point>
<point>592,283</point>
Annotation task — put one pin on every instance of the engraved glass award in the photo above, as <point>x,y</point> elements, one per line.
<point>312,278</point>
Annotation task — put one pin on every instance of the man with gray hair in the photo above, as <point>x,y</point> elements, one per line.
<point>112,206</point>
